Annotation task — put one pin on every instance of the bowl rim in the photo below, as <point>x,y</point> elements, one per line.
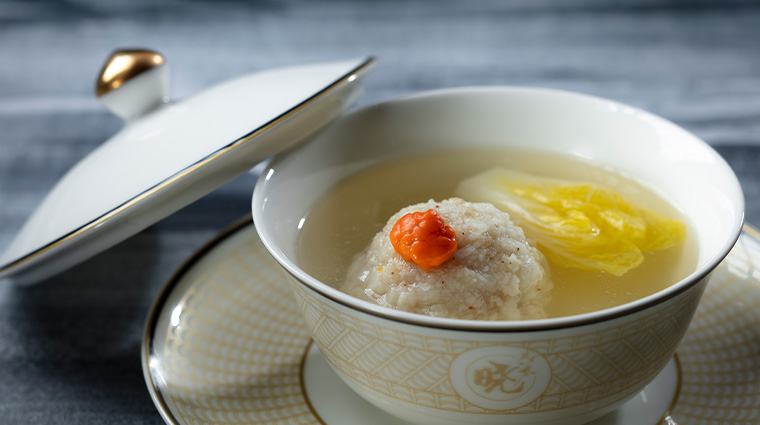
<point>597,316</point>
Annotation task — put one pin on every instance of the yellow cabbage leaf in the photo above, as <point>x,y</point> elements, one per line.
<point>576,224</point>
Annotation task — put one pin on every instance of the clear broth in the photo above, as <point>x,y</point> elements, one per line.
<point>344,221</point>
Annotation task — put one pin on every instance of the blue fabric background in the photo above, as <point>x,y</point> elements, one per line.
<point>70,347</point>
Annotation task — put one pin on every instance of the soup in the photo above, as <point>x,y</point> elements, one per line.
<point>349,215</point>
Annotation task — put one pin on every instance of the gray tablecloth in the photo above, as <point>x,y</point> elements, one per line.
<point>70,347</point>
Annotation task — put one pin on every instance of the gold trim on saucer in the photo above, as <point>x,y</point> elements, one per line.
<point>666,418</point>
<point>152,321</point>
<point>275,398</point>
<point>123,65</point>
<point>698,357</point>
<point>302,382</point>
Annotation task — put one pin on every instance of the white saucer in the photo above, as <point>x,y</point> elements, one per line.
<point>224,343</point>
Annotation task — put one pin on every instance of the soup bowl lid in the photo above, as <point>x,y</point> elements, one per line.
<point>169,154</point>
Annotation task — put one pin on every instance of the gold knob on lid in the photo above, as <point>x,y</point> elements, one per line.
<point>133,83</point>
<point>123,65</point>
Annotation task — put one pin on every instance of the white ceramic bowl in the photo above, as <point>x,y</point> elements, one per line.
<point>570,370</point>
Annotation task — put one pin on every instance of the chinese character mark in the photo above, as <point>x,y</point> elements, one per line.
<point>508,380</point>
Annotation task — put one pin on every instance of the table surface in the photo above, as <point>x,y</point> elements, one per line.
<point>70,346</point>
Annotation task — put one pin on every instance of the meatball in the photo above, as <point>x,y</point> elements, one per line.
<point>494,274</point>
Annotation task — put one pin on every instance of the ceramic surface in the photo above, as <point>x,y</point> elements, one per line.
<point>561,376</point>
<point>557,371</point>
<point>170,154</point>
<point>225,343</point>
<point>649,149</point>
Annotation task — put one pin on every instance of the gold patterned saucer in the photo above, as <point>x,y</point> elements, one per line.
<point>225,344</point>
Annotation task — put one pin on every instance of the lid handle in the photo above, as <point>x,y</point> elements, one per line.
<point>133,82</point>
